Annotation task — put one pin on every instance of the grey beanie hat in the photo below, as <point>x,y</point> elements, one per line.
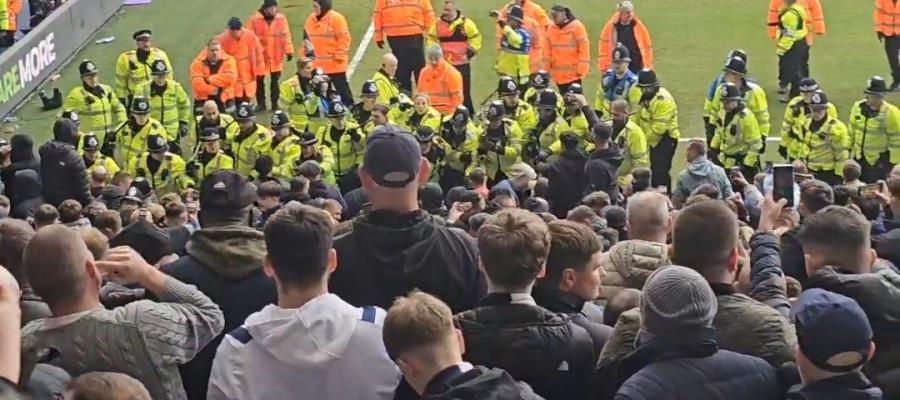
<point>676,298</point>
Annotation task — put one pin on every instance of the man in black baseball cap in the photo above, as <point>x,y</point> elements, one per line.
<point>834,342</point>
<point>397,246</point>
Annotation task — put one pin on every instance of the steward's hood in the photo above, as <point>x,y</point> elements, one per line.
<point>27,184</point>
<point>401,241</point>
<point>701,168</point>
<point>231,251</point>
<point>307,337</point>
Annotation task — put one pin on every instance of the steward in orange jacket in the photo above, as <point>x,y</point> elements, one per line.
<point>213,75</point>
<point>626,28</point>
<point>327,30</point>
<point>404,24</point>
<point>242,44</point>
<point>441,82</point>
<point>568,49</point>
<point>887,27</point>
<point>815,24</point>
<point>274,33</point>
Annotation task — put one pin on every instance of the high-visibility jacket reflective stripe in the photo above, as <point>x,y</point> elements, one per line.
<point>512,141</point>
<point>887,17</point>
<point>658,117</point>
<point>219,162</point>
<point>131,73</point>
<point>170,108</point>
<point>791,27</point>
<point>456,38</point>
<point>815,22</point>
<point>443,85</point>
<point>754,99</point>
<point>170,177</point>
<point>826,148</point>
<point>871,136</point>
<point>608,41</point>
<point>347,154</point>
<point>401,18</point>
<point>331,39</point>
<point>131,144</point>
<point>275,38</point>
<point>795,116</point>
<point>293,101</point>
<point>248,56</point>
<point>205,83</point>
<point>738,140</point>
<point>569,52</point>
<point>99,115</point>
<point>248,150</point>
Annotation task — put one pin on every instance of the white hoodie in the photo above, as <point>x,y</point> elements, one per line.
<point>326,349</point>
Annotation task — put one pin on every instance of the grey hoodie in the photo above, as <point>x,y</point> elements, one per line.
<point>699,172</point>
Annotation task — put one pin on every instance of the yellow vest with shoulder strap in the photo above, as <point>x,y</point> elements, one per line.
<point>826,148</point>
<point>170,177</point>
<point>131,72</point>
<point>293,101</point>
<point>347,155</point>
<point>738,140</point>
<point>247,151</point>
<point>99,115</point>
<point>170,107</point>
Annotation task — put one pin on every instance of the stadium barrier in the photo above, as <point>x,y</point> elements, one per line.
<point>26,65</point>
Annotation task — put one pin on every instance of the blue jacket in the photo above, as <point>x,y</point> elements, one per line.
<point>615,88</point>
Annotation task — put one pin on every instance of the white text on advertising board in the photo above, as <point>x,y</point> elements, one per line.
<point>37,59</point>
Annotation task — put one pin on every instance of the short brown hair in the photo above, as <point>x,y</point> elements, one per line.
<point>705,235</point>
<point>298,238</point>
<point>836,233</point>
<point>54,261</point>
<point>45,214</point>
<point>96,242</point>
<point>852,170</point>
<point>816,195</point>
<point>69,211</point>
<point>107,386</point>
<point>514,246</point>
<point>572,245</point>
<point>416,321</point>
<point>175,209</point>
<point>109,222</point>
<point>597,200</point>
<point>269,189</point>
<point>14,236</point>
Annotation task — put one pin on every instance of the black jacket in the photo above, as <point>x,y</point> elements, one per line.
<point>388,255</point>
<point>63,174</point>
<point>853,386</point>
<point>690,365</point>
<point>537,346</point>
<point>602,170</point>
<point>478,383</point>
<point>878,293</point>
<point>21,157</point>
<point>792,261</point>
<point>566,179</point>
<point>27,196</point>
<point>584,314</point>
<point>320,189</point>
<point>225,264</point>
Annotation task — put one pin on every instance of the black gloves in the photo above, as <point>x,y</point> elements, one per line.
<point>782,151</point>
<point>470,53</point>
<point>182,129</point>
<point>380,44</point>
<point>191,169</point>
<point>290,57</point>
<point>465,158</point>
<point>880,36</point>
<point>355,137</point>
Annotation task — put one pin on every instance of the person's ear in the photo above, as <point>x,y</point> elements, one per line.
<point>268,268</point>
<point>92,272</point>
<point>871,350</point>
<point>365,179</point>
<point>873,258</point>
<point>733,258</point>
<point>543,272</point>
<point>567,280</point>
<point>424,171</point>
<point>461,341</point>
<point>332,261</point>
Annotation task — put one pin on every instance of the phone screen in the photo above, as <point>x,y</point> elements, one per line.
<point>783,179</point>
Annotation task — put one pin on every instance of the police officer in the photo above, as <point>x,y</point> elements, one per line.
<point>500,144</point>
<point>284,147</point>
<point>164,170</point>
<point>825,141</point>
<point>520,111</point>
<point>795,115</point>
<point>362,110</point>
<point>616,82</point>
<point>875,132</point>
<point>737,135</point>
<point>135,67</point>
<point>630,138</point>
<point>211,117</point>
<point>544,138</point>
<point>388,88</point>
<point>209,157</point>
<point>169,103</point>
<point>432,152</point>
<point>457,143</point>
<point>753,96</point>
<point>515,45</point>
<point>90,152</point>
<point>294,94</point>
<point>130,140</point>
<point>657,115</point>
<point>97,106</point>
<point>347,142</point>
<point>419,113</point>
<point>713,90</point>
<point>311,150</point>
<point>792,49</point>
<point>576,121</point>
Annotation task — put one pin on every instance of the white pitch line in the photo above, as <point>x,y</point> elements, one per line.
<point>361,50</point>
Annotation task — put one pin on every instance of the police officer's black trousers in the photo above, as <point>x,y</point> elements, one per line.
<point>892,50</point>
<point>871,173</point>
<point>466,71</point>
<point>343,87</point>
<point>791,66</point>
<point>661,162</point>
<point>410,53</point>
<point>273,89</point>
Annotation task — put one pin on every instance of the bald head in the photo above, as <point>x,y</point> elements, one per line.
<point>648,217</point>
<point>210,106</point>
<point>56,261</point>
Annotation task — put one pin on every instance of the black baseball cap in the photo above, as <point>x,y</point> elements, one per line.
<point>833,331</point>
<point>392,157</point>
<point>226,191</point>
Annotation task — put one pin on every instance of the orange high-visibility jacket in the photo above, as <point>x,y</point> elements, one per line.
<point>531,10</point>
<point>248,55</point>
<point>208,80</point>
<point>331,40</point>
<point>13,8</point>
<point>567,52</point>
<point>444,86</point>
<point>608,42</point>
<point>275,38</point>
<point>402,18</point>
<point>887,17</point>
<point>815,24</point>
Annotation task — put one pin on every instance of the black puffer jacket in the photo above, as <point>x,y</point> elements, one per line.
<point>584,314</point>
<point>853,386</point>
<point>63,173</point>
<point>478,383</point>
<point>536,346</point>
<point>21,157</point>
<point>27,196</point>
<point>602,170</point>
<point>567,182</point>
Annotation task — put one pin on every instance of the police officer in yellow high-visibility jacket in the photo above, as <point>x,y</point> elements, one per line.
<point>247,141</point>
<point>542,141</point>
<point>460,40</point>
<point>411,116</point>
<point>311,150</point>
<point>347,142</point>
<point>630,138</point>
<point>825,141</point>
<point>130,141</point>
<point>500,145</point>
<point>454,148</point>
<point>752,95</point>
<point>90,152</point>
<point>515,44</point>
<point>294,94</point>
<point>791,47</point>
<point>211,117</point>
<point>165,171</point>
<point>209,157</point>
<point>134,67</point>
<point>875,132</point>
<point>575,119</point>
<point>99,111</point>
<point>657,114</point>
<point>518,110</point>
<point>169,103</point>
<point>284,147</point>
<point>795,116</point>
<point>388,87</point>
<point>737,135</point>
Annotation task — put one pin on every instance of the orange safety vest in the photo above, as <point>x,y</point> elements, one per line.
<point>455,43</point>
<point>815,18</point>
<point>248,54</point>
<point>331,39</point>
<point>887,17</point>
<point>531,10</point>
<point>568,55</point>
<point>443,85</point>
<point>608,41</point>
<point>275,37</point>
<point>206,79</point>
<point>13,8</point>
<point>402,18</point>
